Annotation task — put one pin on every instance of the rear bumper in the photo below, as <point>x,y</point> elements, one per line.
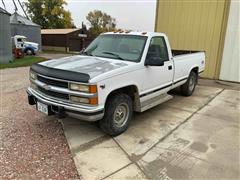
<point>63,109</point>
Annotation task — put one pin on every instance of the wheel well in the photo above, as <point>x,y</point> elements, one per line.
<point>131,91</point>
<point>195,70</point>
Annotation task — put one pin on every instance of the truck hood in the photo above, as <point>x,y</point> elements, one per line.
<point>93,66</point>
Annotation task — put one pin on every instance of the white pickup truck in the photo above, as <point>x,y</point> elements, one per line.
<point>117,74</point>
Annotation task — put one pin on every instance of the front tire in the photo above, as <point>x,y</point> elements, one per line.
<point>188,88</point>
<point>118,114</point>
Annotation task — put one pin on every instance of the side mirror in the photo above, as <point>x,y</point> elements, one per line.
<point>83,49</point>
<point>154,61</point>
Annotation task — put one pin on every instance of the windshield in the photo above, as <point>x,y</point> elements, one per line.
<point>21,40</point>
<point>122,47</point>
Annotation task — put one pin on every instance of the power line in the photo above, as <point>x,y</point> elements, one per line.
<point>23,9</point>
<point>3,4</point>
<point>16,9</point>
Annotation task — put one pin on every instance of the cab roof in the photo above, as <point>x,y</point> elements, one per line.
<point>138,33</point>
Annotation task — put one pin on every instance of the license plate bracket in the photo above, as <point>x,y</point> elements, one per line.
<point>44,108</point>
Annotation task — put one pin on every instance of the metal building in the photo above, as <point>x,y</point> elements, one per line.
<point>5,37</point>
<point>202,25</point>
<point>23,26</point>
<point>230,68</point>
<point>67,40</point>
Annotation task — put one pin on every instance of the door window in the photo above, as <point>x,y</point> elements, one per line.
<point>158,49</point>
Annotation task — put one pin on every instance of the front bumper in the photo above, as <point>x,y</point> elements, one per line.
<point>86,113</point>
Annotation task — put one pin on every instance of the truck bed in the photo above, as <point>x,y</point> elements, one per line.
<point>183,52</point>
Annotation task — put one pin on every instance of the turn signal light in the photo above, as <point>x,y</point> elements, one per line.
<point>92,88</point>
<point>93,101</point>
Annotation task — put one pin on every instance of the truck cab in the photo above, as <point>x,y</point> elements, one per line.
<point>117,74</point>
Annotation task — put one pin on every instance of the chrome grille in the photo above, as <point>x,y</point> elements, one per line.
<point>53,94</point>
<point>52,82</point>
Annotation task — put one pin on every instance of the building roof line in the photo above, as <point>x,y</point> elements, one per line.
<point>58,31</point>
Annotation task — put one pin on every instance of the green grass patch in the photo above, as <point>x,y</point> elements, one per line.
<point>26,61</point>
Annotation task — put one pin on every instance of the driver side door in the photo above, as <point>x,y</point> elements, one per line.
<point>158,78</point>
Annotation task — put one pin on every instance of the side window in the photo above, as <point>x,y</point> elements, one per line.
<point>158,49</point>
<point>19,40</point>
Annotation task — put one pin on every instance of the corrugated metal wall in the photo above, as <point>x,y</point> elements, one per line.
<point>195,25</point>
<point>230,68</point>
<point>5,39</point>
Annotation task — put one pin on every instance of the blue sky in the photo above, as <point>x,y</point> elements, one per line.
<point>130,14</point>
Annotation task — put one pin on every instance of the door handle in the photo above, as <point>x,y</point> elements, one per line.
<point>170,67</point>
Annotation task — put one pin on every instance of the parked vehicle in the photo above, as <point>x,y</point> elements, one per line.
<point>20,42</point>
<point>117,74</point>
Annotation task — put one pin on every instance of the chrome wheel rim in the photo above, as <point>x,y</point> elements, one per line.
<point>191,83</point>
<point>121,115</point>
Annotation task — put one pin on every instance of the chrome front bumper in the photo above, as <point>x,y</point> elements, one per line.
<point>86,113</point>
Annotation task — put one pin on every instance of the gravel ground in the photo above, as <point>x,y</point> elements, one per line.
<point>49,55</point>
<point>33,146</point>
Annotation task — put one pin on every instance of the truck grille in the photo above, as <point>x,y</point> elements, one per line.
<point>52,82</point>
<point>53,94</point>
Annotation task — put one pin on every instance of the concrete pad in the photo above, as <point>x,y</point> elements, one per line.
<point>219,83</point>
<point>206,91</point>
<point>148,128</point>
<point>203,148</point>
<point>100,160</point>
<point>225,106</point>
<point>131,172</point>
<point>228,97</point>
<point>192,103</point>
<point>79,132</point>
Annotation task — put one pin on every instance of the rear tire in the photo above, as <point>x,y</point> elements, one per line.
<point>188,88</point>
<point>29,52</point>
<point>118,114</point>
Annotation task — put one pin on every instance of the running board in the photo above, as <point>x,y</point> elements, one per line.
<point>155,101</point>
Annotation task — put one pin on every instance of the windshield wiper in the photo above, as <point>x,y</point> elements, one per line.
<point>114,54</point>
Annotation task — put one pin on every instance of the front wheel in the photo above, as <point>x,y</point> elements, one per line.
<point>188,88</point>
<point>118,114</point>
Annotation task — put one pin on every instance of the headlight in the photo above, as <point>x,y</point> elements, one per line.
<point>33,75</point>
<point>92,101</point>
<point>83,88</point>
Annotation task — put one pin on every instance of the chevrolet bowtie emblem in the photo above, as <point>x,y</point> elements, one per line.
<point>46,87</point>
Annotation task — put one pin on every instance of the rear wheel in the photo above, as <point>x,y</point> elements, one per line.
<point>118,114</point>
<point>188,88</point>
<point>29,52</point>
